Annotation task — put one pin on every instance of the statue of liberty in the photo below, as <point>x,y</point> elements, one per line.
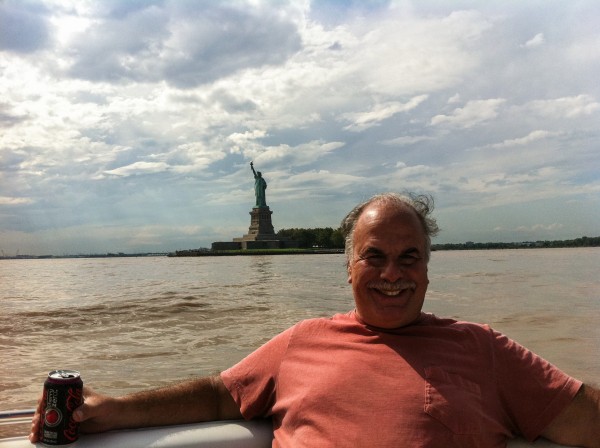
<point>260,185</point>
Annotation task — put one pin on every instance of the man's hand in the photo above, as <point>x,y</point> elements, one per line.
<point>36,421</point>
<point>96,414</point>
<point>196,400</point>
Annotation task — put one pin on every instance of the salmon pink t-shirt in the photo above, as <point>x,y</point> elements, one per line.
<point>436,383</point>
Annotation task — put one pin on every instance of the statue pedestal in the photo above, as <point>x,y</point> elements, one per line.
<point>261,227</point>
<point>261,234</point>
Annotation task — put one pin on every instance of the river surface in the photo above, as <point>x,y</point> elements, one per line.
<point>132,323</point>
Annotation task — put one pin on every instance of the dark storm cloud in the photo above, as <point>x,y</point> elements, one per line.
<point>23,26</point>
<point>184,43</point>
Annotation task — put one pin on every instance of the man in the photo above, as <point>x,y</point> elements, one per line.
<point>385,374</point>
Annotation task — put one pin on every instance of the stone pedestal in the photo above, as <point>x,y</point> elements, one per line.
<point>261,234</point>
<point>261,227</point>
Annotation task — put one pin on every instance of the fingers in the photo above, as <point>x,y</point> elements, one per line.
<point>93,415</point>
<point>80,414</point>
<point>36,421</point>
<point>83,412</point>
<point>35,428</point>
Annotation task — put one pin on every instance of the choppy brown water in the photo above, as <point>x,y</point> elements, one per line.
<point>131,323</point>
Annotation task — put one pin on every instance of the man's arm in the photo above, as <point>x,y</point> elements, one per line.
<point>197,400</point>
<point>579,423</point>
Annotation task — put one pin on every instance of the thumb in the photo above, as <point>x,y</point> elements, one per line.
<point>81,413</point>
<point>86,410</point>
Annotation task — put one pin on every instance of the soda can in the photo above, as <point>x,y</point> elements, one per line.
<point>63,393</point>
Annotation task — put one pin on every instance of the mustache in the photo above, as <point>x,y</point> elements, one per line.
<point>400,284</point>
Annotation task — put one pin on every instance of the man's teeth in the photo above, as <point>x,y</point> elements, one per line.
<point>394,292</point>
<point>392,289</point>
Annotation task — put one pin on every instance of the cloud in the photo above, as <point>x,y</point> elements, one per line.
<point>411,171</point>
<point>379,113</point>
<point>529,138</point>
<point>540,227</point>
<point>171,100</point>
<point>535,41</point>
<point>407,140</point>
<point>14,201</point>
<point>553,226</point>
<point>565,107</point>
<point>473,113</point>
<point>300,155</point>
<point>8,118</point>
<point>138,168</point>
<point>454,99</point>
<point>241,139</point>
<point>405,54</point>
<point>24,26</point>
<point>307,184</point>
<point>185,44</point>
<point>533,229</point>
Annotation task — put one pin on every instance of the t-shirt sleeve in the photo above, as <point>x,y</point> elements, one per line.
<point>253,381</point>
<point>533,390</point>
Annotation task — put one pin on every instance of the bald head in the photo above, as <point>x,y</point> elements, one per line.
<point>420,205</point>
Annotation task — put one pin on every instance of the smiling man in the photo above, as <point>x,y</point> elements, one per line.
<point>385,374</point>
<point>387,265</point>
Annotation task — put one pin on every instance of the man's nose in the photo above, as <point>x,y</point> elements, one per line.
<point>392,271</point>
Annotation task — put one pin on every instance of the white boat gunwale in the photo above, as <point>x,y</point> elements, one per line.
<point>219,434</point>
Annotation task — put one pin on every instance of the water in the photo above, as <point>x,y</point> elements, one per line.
<point>132,323</point>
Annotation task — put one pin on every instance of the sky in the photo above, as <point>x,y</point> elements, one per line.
<point>129,126</point>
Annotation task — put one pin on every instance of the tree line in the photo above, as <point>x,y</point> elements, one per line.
<point>322,237</point>
<point>469,245</point>
<point>330,238</point>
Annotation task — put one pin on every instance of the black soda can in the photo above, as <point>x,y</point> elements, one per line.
<point>63,393</point>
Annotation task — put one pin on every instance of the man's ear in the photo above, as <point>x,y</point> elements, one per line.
<point>349,269</point>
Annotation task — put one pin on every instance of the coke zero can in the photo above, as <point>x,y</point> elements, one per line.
<point>63,393</point>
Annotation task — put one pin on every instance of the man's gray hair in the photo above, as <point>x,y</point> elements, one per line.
<point>421,204</point>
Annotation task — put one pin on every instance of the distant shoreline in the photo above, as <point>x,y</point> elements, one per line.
<point>469,245</point>
<point>578,242</point>
<point>246,252</point>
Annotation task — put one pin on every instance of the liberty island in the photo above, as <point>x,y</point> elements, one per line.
<point>261,234</point>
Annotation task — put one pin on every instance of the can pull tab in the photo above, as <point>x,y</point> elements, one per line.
<point>65,374</point>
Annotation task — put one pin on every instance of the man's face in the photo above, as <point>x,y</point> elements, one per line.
<point>388,270</point>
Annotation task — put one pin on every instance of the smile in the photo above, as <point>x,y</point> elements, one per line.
<point>392,289</point>
<point>390,293</point>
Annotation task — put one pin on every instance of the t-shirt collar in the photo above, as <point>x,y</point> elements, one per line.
<point>421,320</point>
